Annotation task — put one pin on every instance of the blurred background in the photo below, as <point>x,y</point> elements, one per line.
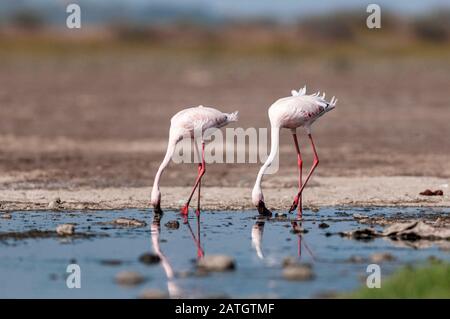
<point>91,107</point>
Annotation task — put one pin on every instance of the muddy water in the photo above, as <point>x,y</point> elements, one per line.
<point>36,267</point>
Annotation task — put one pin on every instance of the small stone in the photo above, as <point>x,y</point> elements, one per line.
<point>6,216</point>
<point>153,294</point>
<point>380,257</point>
<point>216,263</point>
<point>299,272</point>
<point>129,278</point>
<point>360,216</point>
<point>299,230</point>
<point>65,229</point>
<point>314,209</point>
<point>129,222</point>
<point>356,259</point>
<point>149,259</point>
<point>111,262</point>
<point>289,261</point>
<point>172,224</point>
<point>429,192</point>
<point>323,225</point>
<point>81,206</point>
<point>55,203</point>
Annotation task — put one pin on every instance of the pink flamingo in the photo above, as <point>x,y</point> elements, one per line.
<point>298,110</point>
<point>194,123</point>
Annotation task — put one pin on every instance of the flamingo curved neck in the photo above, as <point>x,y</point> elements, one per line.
<point>162,167</point>
<point>257,194</point>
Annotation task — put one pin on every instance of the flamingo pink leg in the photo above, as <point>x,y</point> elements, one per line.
<point>200,252</point>
<point>313,167</point>
<point>197,212</point>
<point>298,198</point>
<point>185,209</point>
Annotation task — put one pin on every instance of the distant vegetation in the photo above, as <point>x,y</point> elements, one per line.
<point>429,281</point>
<point>338,33</point>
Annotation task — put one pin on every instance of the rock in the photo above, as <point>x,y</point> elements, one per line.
<point>298,230</point>
<point>55,203</point>
<point>360,216</point>
<point>429,192</point>
<point>380,257</point>
<point>129,278</point>
<point>416,230</point>
<point>149,259</point>
<point>300,272</point>
<point>289,261</point>
<point>216,263</point>
<point>65,229</point>
<point>172,224</point>
<point>356,259</point>
<point>153,294</point>
<point>6,216</point>
<point>323,225</point>
<point>361,234</point>
<point>129,222</point>
<point>111,262</point>
<point>314,209</point>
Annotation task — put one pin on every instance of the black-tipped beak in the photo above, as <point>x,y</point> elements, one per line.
<point>157,209</point>
<point>262,210</point>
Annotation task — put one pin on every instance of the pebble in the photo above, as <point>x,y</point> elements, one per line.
<point>65,229</point>
<point>172,224</point>
<point>380,257</point>
<point>153,294</point>
<point>217,263</point>
<point>55,203</point>
<point>6,216</point>
<point>323,225</point>
<point>111,262</point>
<point>299,272</point>
<point>130,222</point>
<point>149,259</point>
<point>356,259</point>
<point>129,278</point>
<point>289,261</point>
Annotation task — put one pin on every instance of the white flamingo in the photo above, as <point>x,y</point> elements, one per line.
<point>298,110</point>
<point>190,123</point>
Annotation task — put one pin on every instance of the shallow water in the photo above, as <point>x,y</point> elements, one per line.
<point>36,268</point>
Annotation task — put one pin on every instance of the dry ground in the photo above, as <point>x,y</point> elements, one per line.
<point>93,128</point>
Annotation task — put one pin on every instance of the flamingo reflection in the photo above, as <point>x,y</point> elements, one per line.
<point>172,287</point>
<point>258,231</point>
<point>257,234</point>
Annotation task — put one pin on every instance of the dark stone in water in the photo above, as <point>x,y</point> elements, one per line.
<point>323,225</point>
<point>172,224</point>
<point>149,259</point>
<point>299,230</point>
<point>111,262</point>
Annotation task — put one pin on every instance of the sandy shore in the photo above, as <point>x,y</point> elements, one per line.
<point>325,191</point>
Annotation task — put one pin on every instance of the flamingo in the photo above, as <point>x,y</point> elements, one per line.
<point>187,124</point>
<point>298,110</point>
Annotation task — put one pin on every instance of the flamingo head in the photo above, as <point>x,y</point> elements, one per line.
<point>156,200</point>
<point>258,201</point>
